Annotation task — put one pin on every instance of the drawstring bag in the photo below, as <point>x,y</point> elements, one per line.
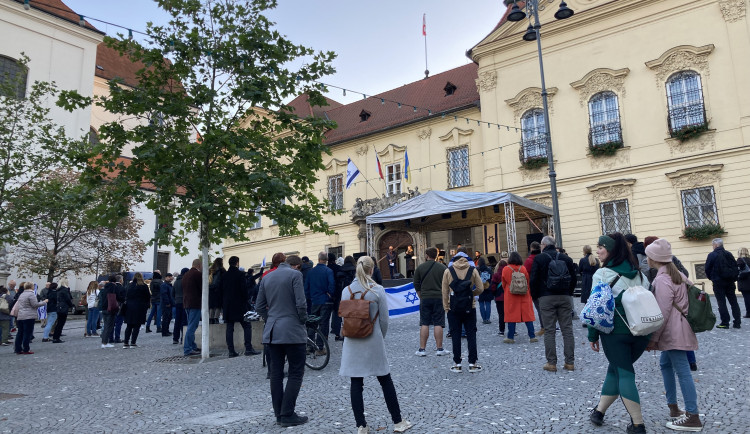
<point>599,311</point>
<point>642,310</point>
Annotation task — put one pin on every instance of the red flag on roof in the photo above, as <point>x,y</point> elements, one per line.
<point>380,169</point>
<point>424,24</point>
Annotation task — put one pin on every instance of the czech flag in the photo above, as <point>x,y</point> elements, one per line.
<point>380,168</point>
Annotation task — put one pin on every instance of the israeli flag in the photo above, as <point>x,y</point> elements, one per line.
<point>351,172</point>
<point>263,264</point>
<point>402,300</point>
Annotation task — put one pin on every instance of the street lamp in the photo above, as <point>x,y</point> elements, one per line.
<point>533,34</point>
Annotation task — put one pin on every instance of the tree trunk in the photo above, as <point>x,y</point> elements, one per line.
<point>205,328</point>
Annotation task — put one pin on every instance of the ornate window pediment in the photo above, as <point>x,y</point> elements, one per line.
<point>600,80</point>
<point>334,163</point>
<point>680,58</point>
<point>696,176</point>
<point>611,190</point>
<point>529,98</point>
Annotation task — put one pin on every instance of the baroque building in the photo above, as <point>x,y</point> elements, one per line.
<point>649,121</point>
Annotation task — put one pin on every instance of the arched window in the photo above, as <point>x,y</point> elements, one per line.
<point>12,78</point>
<point>534,134</point>
<point>604,119</point>
<point>685,101</point>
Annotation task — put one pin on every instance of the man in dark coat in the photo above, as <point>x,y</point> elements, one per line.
<point>320,287</point>
<point>191,293</point>
<point>180,318</point>
<point>155,288</point>
<point>556,304</point>
<point>234,296</point>
<point>723,288</point>
<point>166,302</point>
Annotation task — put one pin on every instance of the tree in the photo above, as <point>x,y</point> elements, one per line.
<point>218,68</point>
<point>67,235</point>
<point>30,144</point>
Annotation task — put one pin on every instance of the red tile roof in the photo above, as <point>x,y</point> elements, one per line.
<point>60,10</point>
<point>303,109</point>
<point>110,65</point>
<point>424,94</point>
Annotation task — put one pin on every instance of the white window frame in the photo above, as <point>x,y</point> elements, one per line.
<point>393,178</point>
<point>604,114</point>
<point>679,82</point>
<point>257,224</point>
<point>336,192</point>
<point>458,167</point>
<point>273,221</point>
<point>533,132</point>
<point>702,207</point>
<point>613,217</point>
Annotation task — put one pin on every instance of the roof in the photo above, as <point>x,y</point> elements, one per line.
<point>303,109</point>
<point>111,65</point>
<point>425,94</point>
<point>60,10</point>
<point>441,202</point>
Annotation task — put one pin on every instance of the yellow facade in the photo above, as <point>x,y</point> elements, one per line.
<point>630,48</point>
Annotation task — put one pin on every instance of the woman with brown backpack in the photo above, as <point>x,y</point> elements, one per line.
<point>365,356</point>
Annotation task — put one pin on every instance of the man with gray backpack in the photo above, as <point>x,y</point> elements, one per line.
<point>552,280</point>
<point>461,282</point>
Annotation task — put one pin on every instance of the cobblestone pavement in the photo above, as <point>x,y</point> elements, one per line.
<point>79,387</point>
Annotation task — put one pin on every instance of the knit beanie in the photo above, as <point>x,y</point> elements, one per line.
<point>607,242</point>
<point>660,251</point>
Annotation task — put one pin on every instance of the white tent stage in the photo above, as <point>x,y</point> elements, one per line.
<point>431,210</point>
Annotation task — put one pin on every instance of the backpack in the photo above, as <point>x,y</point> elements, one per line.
<point>558,275</point>
<point>599,311</point>
<point>518,283</point>
<point>112,306</point>
<point>356,315</point>
<point>463,296</point>
<point>700,316</point>
<point>642,310</point>
<point>4,306</point>
<point>726,268</point>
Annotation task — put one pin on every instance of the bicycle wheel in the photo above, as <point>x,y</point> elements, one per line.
<point>317,354</point>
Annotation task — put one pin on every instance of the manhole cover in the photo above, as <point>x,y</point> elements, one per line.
<point>185,359</point>
<point>6,396</point>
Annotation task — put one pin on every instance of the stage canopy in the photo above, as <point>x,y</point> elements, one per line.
<point>440,202</point>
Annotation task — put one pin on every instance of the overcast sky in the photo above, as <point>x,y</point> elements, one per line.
<point>379,44</point>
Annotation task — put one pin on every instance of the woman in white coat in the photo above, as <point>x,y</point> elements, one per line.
<point>366,357</point>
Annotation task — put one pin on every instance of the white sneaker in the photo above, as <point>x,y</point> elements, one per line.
<point>421,353</point>
<point>402,426</point>
<point>474,367</point>
<point>363,430</point>
<point>456,368</point>
<point>442,352</point>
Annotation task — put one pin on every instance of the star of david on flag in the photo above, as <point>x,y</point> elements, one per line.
<point>402,300</point>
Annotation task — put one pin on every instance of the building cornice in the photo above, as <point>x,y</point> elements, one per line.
<point>51,21</point>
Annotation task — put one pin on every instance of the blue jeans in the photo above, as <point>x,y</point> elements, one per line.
<point>194,315</point>
<point>485,310</point>
<point>155,312</point>
<point>51,318</point>
<point>675,362</point>
<point>91,321</point>
<point>116,328</point>
<point>529,328</point>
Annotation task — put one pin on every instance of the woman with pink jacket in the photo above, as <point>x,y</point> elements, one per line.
<point>675,337</point>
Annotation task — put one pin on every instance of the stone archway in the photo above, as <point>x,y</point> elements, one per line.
<point>399,240</point>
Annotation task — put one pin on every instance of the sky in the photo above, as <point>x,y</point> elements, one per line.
<point>379,43</point>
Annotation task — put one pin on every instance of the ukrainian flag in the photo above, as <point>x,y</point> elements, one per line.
<point>407,169</point>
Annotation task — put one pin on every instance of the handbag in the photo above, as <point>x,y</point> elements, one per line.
<point>599,311</point>
<point>642,309</point>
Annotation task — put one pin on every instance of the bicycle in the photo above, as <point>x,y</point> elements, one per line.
<point>316,355</point>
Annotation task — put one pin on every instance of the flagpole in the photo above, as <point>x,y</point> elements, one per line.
<point>424,32</point>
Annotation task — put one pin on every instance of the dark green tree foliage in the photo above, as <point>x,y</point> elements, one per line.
<point>218,68</point>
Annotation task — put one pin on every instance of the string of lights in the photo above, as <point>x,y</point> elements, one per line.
<point>399,104</point>
<point>429,166</point>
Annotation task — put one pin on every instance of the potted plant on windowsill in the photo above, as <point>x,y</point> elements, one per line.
<point>704,232</point>
<point>605,149</point>
<point>534,163</point>
<point>689,132</point>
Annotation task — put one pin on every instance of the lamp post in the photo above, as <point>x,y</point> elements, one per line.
<point>533,34</point>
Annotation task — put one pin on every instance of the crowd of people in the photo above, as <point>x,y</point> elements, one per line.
<point>539,287</point>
